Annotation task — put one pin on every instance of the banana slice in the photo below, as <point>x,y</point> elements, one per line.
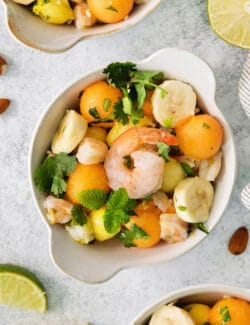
<point>171,315</point>
<point>178,103</point>
<point>24,2</point>
<point>193,198</point>
<point>71,131</point>
<point>210,168</point>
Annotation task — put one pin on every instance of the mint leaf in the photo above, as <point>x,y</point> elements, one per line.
<point>224,312</point>
<point>120,200</point>
<point>50,176</point>
<point>92,199</point>
<point>119,73</point>
<point>127,236</point>
<point>163,150</point>
<point>188,170</point>
<point>113,219</point>
<point>79,216</point>
<point>201,227</point>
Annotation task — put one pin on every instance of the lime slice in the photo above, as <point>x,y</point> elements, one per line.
<point>230,19</point>
<point>20,288</point>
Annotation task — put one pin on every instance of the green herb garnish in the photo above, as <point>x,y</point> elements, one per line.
<point>106,104</point>
<point>224,312</point>
<point>168,122</point>
<point>134,85</point>
<point>202,227</point>
<point>163,150</point>
<point>93,112</point>
<point>187,169</point>
<point>182,208</point>
<point>79,216</point>
<point>127,162</point>
<point>92,199</point>
<point>205,125</point>
<point>111,8</point>
<point>50,176</point>
<point>127,236</point>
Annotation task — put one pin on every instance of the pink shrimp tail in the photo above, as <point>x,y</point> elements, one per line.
<point>169,138</point>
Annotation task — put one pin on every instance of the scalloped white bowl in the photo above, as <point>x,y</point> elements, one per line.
<point>206,294</point>
<point>98,262</point>
<point>33,31</point>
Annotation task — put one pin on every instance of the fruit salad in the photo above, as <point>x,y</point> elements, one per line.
<point>226,311</point>
<point>136,162</point>
<point>83,14</point>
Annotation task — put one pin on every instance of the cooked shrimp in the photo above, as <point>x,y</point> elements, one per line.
<point>58,210</point>
<point>161,201</point>
<point>145,176</point>
<point>83,16</point>
<point>210,168</point>
<point>91,151</point>
<point>173,229</point>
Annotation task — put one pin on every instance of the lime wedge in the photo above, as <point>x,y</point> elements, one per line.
<point>20,288</point>
<point>230,19</point>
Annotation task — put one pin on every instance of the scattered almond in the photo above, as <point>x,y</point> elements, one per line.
<point>4,104</point>
<point>3,65</point>
<point>238,241</point>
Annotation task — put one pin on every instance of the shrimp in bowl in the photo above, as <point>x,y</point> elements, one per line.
<point>134,161</point>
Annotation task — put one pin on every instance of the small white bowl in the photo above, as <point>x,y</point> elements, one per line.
<point>205,294</point>
<point>98,262</point>
<point>38,34</point>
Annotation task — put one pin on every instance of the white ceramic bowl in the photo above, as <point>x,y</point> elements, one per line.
<point>98,262</point>
<point>206,294</point>
<point>37,33</point>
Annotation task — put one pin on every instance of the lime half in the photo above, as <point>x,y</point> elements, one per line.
<point>230,19</point>
<point>20,288</point>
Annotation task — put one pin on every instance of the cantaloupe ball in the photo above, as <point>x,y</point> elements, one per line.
<point>86,177</point>
<point>110,11</point>
<point>230,311</point>
<point>199,136</point>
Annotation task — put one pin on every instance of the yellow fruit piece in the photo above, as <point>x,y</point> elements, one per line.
<point>54,11</point>
<point>97,133</point>
<point>198,312</point>
<point>86,177</point>
<point>119,128</point>
<point>230,19</point>
<point>173,174</point>
<point>97,218</point>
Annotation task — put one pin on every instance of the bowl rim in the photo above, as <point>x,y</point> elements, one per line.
<point>190,290</point>
<point>201,235</point>
<point>112,30</point>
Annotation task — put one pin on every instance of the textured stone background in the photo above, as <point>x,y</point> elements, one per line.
<point>33,80</point>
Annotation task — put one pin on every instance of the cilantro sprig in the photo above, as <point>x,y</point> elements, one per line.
<point>163,150</point>
<point>50,176</point>
<point>225,315</point>
<point>188,170</point>
<point>201,227</point>
<point>134,85</point>
<point>127,236</point>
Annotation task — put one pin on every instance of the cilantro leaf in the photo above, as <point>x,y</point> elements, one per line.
<point>141,94</point>
<point>148,78</point>
<point>111,8</point>
<point>119,114</point>
<point>106,104</point>
<point>163,150</point>
<point>127,236</point>
<point>94,113</point>
<point>119,73</point>
<point>128,162</point>
<point>92,199</point>
<point>79,216</point>
<point>224,312</point>
<point>201,227</point>
<point>188,170</point>
<point>49,177</point>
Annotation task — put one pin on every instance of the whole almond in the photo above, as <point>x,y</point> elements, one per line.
<point>238,241</point>
<point>4,104</point>
<point>3,65</point>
